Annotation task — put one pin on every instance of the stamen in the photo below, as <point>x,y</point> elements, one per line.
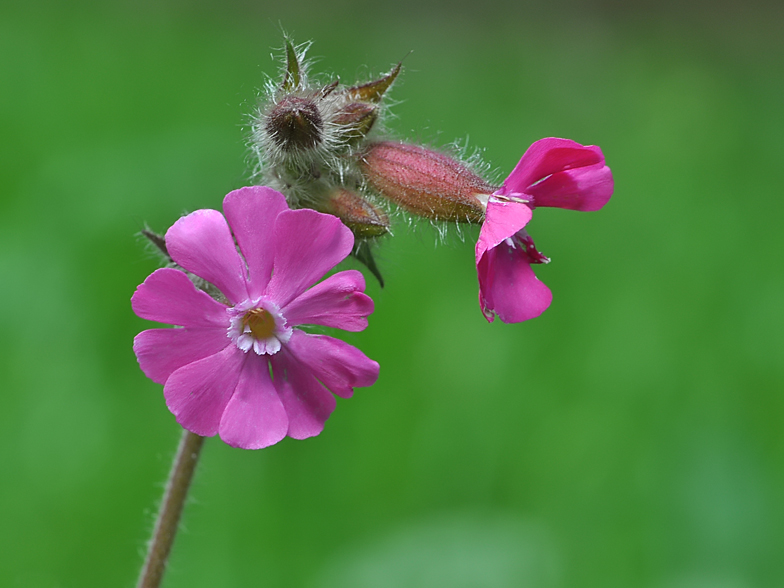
<point>260,323</point>
<point>514,197</point>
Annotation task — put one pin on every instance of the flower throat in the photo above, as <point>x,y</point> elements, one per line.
<point>260,322</point>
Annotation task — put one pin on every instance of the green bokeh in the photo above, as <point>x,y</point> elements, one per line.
<point>629,437</point>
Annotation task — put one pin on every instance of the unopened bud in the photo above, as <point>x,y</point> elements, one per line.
<point>295,123</point>
<point>356,119</point>
<point>425,182</point>
<point>363,218</point>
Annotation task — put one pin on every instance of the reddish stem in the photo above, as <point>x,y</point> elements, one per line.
<point>171,508</point>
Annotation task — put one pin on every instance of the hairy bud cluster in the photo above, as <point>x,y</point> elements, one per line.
<point>322,146</point>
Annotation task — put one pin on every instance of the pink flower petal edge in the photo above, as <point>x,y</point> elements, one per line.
<point>339,302</point>
<point>244,370</point>
<point>554,173</point>
<point>307,245</point>
<point>502,220</point>
<point>251,212</point>
<point>508,286</point>
<point>161,352</point>
<point>339,366</point>
<point>202,243</point>
<point>168,296</point>
<point>255,417</point>
<point>307,402</point>
<point>563,174</point>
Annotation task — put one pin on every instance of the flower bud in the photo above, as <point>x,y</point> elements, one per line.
<point>356,119</point>
<point>425,182</point>
<point>295,123</point>
<point>363,218</point>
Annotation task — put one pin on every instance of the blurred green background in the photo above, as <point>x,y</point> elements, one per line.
<point>629,437</point>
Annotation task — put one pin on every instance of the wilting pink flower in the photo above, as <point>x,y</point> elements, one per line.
<point>240,368</point>
<point>553,172</point>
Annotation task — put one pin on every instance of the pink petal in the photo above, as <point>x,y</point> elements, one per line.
<point>502,221</point>
<point>168,296</point>
<point>254,417</point>
<point>338,365</point>
<point>197,394</point>
<point>336,302</point>
<point>586,188</point>
<point>202,243</point>
<point>307,245</point>
<point>508,286</point>
<point>251,213</point>
<point>308,404</point>
<point>546,157</point>
<point>162,351</point>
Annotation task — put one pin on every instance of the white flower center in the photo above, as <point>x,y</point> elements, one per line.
<point>259,325</point>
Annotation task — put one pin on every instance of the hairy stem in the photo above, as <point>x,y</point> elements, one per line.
<point>171,508</point>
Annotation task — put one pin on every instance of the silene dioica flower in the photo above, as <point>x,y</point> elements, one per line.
<point>552,173</point>
<point>239,366</point>
<point>238,363</point>
<point>555,173</point>
<point>323,146</point>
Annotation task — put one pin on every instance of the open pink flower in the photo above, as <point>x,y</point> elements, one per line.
<point>241,368</point>
<point>553,172</point>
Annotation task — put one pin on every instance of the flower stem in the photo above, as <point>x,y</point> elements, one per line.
<point>171,508</point>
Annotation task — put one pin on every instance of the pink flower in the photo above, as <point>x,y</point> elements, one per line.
<point>553,172</point>
<point>241,368</point>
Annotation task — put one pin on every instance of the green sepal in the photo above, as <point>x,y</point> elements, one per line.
<point>374,91</point>
<point>158,241</point>
<point>292,78</point>
<point>363,253</point>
